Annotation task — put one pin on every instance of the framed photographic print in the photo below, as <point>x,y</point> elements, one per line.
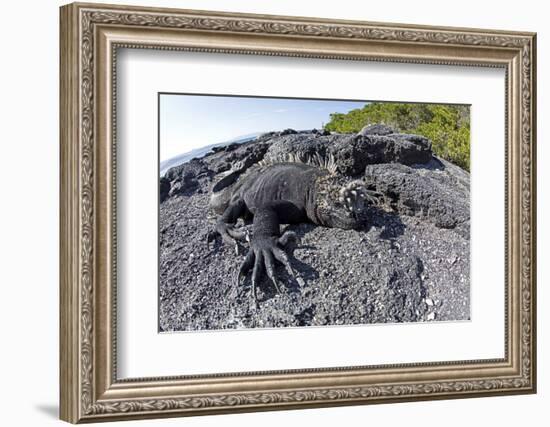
<point>267,212</point>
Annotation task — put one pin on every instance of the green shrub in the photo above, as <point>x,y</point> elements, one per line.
<point>447,126</point>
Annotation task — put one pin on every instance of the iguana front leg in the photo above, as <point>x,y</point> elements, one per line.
<point>266,246</point>
<point>226,223</point>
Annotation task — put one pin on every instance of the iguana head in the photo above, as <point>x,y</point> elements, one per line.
<point>341,203</point>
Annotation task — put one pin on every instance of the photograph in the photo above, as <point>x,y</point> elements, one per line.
<point>293,212</point>
<point>261,211</point>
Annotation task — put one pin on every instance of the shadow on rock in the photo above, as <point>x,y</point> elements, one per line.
<point>304,274</point>
<point>433,164</point>
<point>389,223</point>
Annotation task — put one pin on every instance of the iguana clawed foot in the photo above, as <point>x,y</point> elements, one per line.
<point>356,197</point>
<point>261,257</point>
<point>229,234</point>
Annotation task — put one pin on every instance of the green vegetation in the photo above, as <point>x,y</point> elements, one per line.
<point>447,126</point>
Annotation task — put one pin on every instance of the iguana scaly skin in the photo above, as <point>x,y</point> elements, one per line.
<point>283,193</point>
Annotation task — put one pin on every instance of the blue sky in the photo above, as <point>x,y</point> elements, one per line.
<point>193,121</point>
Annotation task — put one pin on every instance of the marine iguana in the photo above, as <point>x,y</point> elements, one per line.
<point>283,193</point>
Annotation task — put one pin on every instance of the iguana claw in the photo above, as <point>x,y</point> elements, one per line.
<point>262,256</point>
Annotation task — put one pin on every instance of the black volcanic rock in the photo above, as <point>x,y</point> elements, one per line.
<point>353,152</point>
<point>410,263</point>
<point>377,129</point>
<point>438,192</point>
<point>164,188</point>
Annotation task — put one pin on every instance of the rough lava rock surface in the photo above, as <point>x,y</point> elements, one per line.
<point>410,263</point>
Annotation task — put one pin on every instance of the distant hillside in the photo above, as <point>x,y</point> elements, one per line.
<point>202,151</point>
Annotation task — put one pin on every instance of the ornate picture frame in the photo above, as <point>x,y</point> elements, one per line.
<point>90,37</point>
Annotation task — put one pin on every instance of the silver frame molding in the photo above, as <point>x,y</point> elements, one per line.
<point>90,36</point>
